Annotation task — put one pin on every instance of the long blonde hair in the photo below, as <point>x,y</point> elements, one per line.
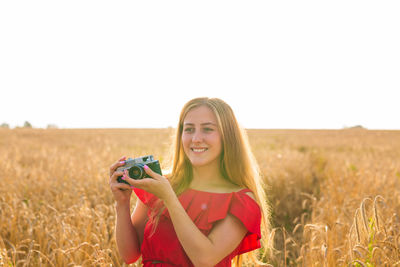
<point>237,163</point>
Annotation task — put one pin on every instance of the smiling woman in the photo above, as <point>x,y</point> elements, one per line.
<point>212,207</point>
<point>201,138</point>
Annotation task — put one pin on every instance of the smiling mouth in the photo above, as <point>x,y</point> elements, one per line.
<point>199,150</point>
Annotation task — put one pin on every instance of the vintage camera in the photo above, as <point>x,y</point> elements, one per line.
<point>136,170</point>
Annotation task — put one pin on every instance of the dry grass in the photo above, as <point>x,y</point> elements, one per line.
<point>334,194</point>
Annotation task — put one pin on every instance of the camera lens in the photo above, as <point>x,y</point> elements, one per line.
<point>136,172</point>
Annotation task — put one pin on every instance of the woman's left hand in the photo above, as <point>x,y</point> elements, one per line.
<point>157,185</point>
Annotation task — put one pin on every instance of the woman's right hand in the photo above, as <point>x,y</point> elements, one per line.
<point>121,191</point>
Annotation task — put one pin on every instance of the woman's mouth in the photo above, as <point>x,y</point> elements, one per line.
<point>198,150</point>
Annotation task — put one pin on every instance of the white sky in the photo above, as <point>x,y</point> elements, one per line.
<point>127,64</point>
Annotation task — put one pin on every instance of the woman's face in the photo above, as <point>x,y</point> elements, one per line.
<point>201,138</point>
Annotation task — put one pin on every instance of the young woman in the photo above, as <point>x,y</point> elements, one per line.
<point>211,208</point>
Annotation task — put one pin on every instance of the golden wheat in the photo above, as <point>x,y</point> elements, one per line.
<point>334,194</point>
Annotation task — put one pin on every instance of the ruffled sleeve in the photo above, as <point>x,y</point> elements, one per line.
<point>206,208</point>
<point>246,209</point>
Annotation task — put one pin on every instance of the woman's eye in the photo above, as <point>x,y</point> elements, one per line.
<point>188,130</point>
<point>208,129</point>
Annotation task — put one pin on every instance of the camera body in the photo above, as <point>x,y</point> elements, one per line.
<point>135,168</point>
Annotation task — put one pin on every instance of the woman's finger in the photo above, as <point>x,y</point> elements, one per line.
<point>120,186</point>
<point>127,178</point>
<point>151,173</point>
<point>117,164</point>
<point>115,175</point>
<point>144,183</point>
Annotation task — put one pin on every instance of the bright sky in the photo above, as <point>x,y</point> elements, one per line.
<point>127,64</point>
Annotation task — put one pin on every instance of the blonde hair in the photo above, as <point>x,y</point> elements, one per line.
<point>237,163</point>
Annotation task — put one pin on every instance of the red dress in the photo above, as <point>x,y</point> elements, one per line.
<point>163,248</point>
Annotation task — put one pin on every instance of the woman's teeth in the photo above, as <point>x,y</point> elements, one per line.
<point>198,150</point>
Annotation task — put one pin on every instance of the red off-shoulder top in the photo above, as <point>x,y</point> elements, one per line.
<point>162,248</point>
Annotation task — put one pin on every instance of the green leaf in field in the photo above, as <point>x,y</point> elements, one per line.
<point>353,167</point>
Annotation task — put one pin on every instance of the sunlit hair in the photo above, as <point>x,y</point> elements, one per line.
<point>237,163</point>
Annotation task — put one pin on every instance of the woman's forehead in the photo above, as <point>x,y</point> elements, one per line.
<point>200,115</point>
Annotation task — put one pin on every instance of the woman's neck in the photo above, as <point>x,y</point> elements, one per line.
<point>207,177</point>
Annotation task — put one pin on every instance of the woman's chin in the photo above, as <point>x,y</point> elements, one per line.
<point>198,163</point>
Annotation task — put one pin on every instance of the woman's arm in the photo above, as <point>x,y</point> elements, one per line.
<point>129,230</point>
<point>202,250</point>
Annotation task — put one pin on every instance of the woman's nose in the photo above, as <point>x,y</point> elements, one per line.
<point>197,137</point>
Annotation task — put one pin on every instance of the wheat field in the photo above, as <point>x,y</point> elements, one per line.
<point>334,194</point>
